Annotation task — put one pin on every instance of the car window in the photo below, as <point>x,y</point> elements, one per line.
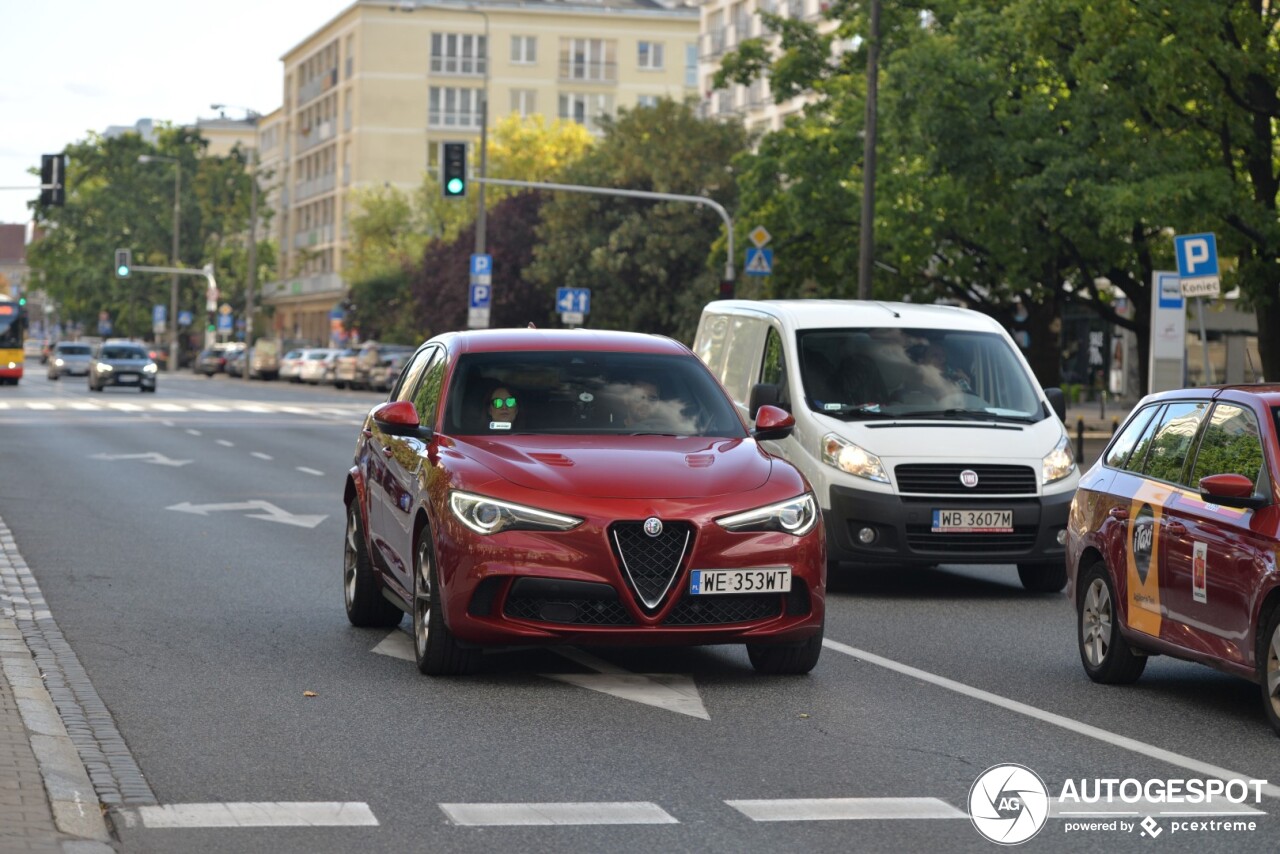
<point>1164,455</point>
<point>1231,444</point>
<point>430,388</point>
<point>409,379</point>
<point>123,353</point>
<point>73,349</point>
<point>1118,454</point>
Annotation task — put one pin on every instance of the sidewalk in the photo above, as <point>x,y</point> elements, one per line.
<point>1098,417</point>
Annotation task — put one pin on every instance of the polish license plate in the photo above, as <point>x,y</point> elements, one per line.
<point>722,581</point>
<point>127,378</point>
<point>973,521</point>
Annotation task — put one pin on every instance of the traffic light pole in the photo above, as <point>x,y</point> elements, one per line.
<point>634,194</point>
<point>211,292</point>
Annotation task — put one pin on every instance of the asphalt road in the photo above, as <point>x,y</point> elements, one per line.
<point>188,544</point>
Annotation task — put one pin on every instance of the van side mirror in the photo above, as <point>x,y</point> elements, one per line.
<point>773,423</point>
<point>763,394</point>
<point>1057,402</point>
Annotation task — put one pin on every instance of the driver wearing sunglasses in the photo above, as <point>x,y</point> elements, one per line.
<point>502,409</point>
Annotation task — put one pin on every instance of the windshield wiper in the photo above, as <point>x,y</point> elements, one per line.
<point>966,414</point>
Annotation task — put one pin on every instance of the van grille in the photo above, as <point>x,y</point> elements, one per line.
<point>944,479</point>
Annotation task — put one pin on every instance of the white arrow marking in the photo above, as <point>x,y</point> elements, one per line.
<point>271,513</point>
<point>154,458</point>
<point>674,692</point>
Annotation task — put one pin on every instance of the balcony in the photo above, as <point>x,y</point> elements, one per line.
<point>311,136</point>
<point>313,237</point>
<point>572,71</point>
<point>304,286</point>
<point>306,189</point>
<point>316,86</point>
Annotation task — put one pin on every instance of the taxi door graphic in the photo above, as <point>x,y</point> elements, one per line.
<point>1142,558</point>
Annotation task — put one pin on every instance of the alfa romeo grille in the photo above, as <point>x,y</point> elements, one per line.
<point>651,564</point>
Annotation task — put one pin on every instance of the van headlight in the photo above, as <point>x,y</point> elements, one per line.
<point>1058,463</point>
<point>489,515</point>
<point>848,457</point>
<point>796,516</point>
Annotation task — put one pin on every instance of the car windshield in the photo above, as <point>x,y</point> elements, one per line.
<point>568,392</point>
<point>915,373</point>
<point>123,353</point>
<point>74,350</point>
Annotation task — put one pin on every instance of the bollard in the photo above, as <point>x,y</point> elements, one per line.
<point>1080,439</point>
<point>1102,405</point>
<point>1115,425</point>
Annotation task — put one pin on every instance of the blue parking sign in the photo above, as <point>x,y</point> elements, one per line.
<point>481,296</point>
<point>1197,255</point>
<point>482,265</point>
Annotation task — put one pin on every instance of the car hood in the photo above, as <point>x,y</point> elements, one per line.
<point>623,466</point>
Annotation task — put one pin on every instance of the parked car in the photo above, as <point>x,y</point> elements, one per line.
<point>69,358</point>
<point>501,497</point>
<point>237,360</point>
<point>921,427</point>
<point>1173,537</point>
<point>213,360</point>
<point>344,368</point>
<point>371,356</point>
<point>122,364</point>
<point>317,365</point>
<point>384,376</point>
<point>291,364</point>
<point>264,359</point>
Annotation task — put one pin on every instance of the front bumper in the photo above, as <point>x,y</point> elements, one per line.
<point>903,535</point>
<point>127,379</point>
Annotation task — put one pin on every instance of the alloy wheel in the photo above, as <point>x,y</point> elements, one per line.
<point>1273,671</point>
<point>1095,623</point>
<point>422,599</point>
<point>349,554</point>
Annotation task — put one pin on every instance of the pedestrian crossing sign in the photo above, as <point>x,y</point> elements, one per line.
<point>759,261</point>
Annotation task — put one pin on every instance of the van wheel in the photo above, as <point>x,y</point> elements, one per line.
<point>786,659</point>
<point>1269,670</point>
<point>1104,652</point>
<point>1043,577</point>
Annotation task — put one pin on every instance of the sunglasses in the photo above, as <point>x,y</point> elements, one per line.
<point>499,402</point>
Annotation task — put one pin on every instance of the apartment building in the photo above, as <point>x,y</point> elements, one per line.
<point>369,96</point>
<point>725,24</point>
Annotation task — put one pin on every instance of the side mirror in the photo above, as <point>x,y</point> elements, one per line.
<point>772,423</point>
<point>1230,490</point>
<point>400,418</point>
<point>1057,402</point>
<point>763,394</point>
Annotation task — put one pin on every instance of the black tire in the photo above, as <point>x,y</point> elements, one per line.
<point>794,659</point>
<point>436,651</point>
<point>53,377</point>
<point>1269,669</point>
<point>1106,655</point>
<point>366,607</point>
<point>1043,577</point>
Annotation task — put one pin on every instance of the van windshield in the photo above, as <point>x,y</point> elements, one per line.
<point>915,373</point>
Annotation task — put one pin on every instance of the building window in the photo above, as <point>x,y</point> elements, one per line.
<point>589,59</point>
<point>524,50</point>
<point>585,108</point>
<point>452,107</point>
<point>650,56</point>
<point>647,100</point>
<point>457,53</point>
<point>691,65</point>
<point>524,102</point>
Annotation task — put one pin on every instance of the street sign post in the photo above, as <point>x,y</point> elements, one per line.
<point>1197,256</point>
<point>759,261</point>
<point>481,291</point>
<point>159,318</point>
<point>574,304</point>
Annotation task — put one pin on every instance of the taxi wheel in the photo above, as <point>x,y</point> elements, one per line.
<point>365,606</point>
<point>786,659</point>
<point>436,651</point>
<point>1043,577</point>
<point>1106,655</point>
<point>1269,667</point>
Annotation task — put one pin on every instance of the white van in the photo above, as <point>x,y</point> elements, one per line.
<point>920,427</point>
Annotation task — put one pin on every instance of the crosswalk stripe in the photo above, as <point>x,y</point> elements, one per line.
<point>3,405</point>
<point>845,809</point>
<point>86,407</point>
<point>250,407</point>
<point>126,407</point>
<point>295,410</point>
<point>41,406</point>
<point>210,407</point>
<point>508,815</point>
<point>267,814</point>
<point>168,407</point>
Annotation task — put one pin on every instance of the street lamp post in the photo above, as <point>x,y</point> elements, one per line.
<point>173,279</point>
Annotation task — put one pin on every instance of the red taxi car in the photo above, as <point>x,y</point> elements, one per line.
<point>571,486</point>
<point>1173,536</point>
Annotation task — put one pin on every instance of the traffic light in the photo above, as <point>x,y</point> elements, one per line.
<point>124,260</point>
<point>212,324</point>
<point>453,169</point>
<point>53,179</point>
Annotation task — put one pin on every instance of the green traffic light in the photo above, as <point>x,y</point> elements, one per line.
<point>122,270</point>
<point>454,186</point>
<point>22,300</point>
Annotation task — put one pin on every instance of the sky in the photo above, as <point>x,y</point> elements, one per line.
<point>75,66</point>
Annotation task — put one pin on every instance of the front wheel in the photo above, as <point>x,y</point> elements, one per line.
<point>366,607</point>
<point>1269,670</point>
<point>1043,577</point>
<point>436,651</point>
<point>1106,655</point>
<point>786,659</point>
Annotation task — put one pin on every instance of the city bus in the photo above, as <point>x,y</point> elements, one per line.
<point>12,325</point>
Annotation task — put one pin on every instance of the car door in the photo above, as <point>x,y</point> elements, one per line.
<point>403,457</point>
<point>1214,556</point>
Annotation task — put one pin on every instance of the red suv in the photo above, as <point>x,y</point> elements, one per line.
<point>563,486</point>
<point>1173,537</point>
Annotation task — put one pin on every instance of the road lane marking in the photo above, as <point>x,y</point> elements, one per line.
<point>210,407</point>
<point>264,814</point>
<point>194,432</point>
<point>1078,727</point>
<point>86,407</point>
<point>261,455</point>
<point>226,443</point>
<point>294,410</point>
<point>846,809</point>
<point>306,470</point>
<point>126,407</point>
<point>252,407</point>
<point>267,511</point>
<point>509,815</point>
<point>3,405</point>
<point>168,407</point>
<point>44,407</point>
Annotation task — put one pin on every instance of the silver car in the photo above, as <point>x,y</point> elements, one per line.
<point>124,364</point>
<point>70,359</point>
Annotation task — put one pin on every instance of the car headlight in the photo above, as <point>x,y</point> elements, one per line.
<point>1058,463</point>
<point>149,369</point>
<point>847,456</point>
<point>489,515</point>
<point>58,362</point>
<point>794,516</point>
<point>104,369</point>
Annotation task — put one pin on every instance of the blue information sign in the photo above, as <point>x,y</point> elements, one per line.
<point>574,299</point>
